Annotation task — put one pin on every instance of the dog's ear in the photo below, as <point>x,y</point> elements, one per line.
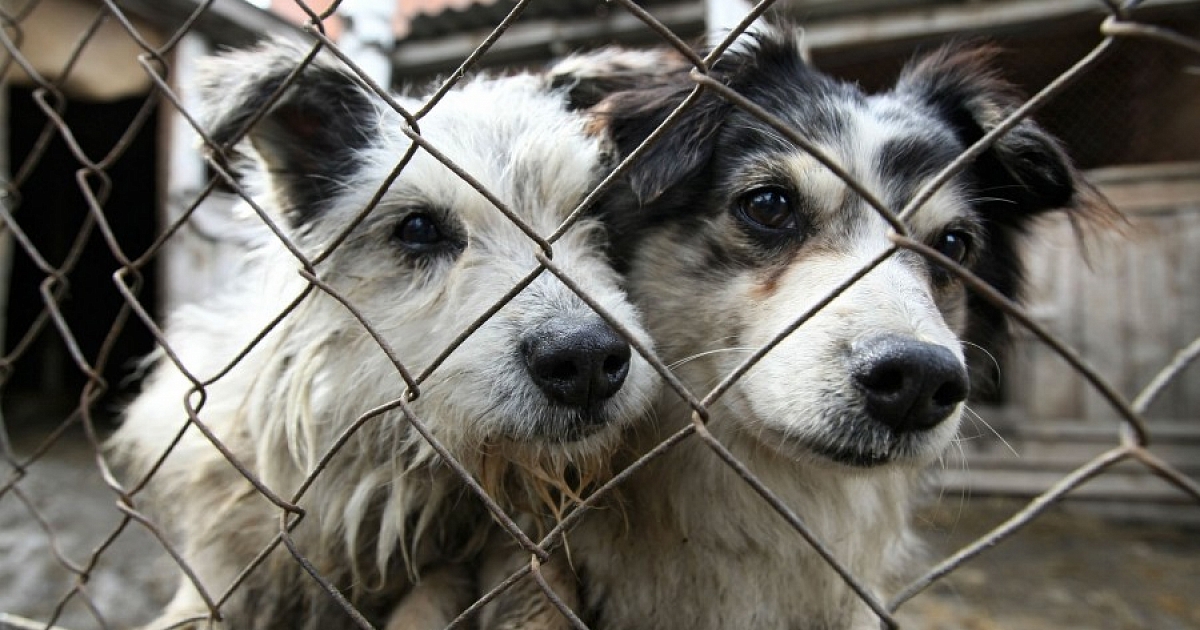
<point>590,77</point>
<point>683,150</point>
<point>1025,173</point>
<point>309,136</point>
<point>1026,168</point>
<point>629,93</point>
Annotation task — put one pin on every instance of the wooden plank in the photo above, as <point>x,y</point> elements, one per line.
<point>1065,445</point>
<point>1186,281</point>
<point>1062,458</point>
<point>1177,431</point>
<point>1022,362</point>
<point>1162,201</point>
<point>1052,389</point>
<point>1105,318</point>
<point>1020,359</point>
<point>1037,455</point>
<point>1153,306</point>
<point>1150,197</point>
<point>1151,188</point>
<point>1168,404</point>
<point>1114,486</point>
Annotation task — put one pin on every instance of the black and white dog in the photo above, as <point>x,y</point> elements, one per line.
<point>728,232</point>
<point>532,403</point>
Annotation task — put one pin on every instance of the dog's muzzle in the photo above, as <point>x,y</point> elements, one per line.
<point>908,385</point>
<point>579,363</point>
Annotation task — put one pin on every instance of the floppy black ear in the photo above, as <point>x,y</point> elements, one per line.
<point>629,93</point>
<point>1025,173</point>
<point>590,77</point>
<point>682,151</point>
<point>310,138</point>
<point>1026,167</point>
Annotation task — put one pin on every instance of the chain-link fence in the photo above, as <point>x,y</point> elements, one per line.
<point>91,297</point>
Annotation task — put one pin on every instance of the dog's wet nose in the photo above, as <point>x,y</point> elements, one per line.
<point>577,363</point>
<point>908,385</point>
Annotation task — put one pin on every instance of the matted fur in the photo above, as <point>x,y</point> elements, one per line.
<point>386,507</point>
<point>695,547</point>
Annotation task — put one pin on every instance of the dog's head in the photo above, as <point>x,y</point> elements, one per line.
<point>543,377</point>
<point>731,231</point>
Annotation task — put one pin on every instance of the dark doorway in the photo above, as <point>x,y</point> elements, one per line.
<point>45,381</point>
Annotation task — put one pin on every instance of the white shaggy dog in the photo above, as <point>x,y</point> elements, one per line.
<point>532,403</point>
<point>729,232</point>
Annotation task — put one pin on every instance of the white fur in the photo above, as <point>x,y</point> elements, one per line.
<point>386,495</point>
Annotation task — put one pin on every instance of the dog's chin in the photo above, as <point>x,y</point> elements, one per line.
<point>575,425</point>
<point>566,426</point>
<point>859,443</point>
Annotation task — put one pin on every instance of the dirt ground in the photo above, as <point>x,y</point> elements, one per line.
<point>1068,569</point>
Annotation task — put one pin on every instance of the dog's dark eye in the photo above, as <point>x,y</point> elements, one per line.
<point>767,209</point>
<point>419,231</point>
<point>955,245</point>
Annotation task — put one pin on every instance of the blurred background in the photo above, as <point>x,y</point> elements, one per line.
<point>83,124</point>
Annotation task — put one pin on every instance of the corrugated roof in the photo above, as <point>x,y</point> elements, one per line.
<point>485,15</point>
<point>225,22</point>
<point>438,43</point>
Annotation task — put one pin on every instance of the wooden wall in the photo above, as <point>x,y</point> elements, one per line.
<point>1127,305</point>
<point>1127,311</point>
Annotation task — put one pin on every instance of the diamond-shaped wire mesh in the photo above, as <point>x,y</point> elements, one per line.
<point>65,282</point>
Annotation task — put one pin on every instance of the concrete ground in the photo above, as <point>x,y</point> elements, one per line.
<point>63,493</point>
<point>1068,569</point>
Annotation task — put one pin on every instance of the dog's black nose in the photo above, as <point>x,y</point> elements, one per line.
<point>908,385</point>
<point>577,362</point>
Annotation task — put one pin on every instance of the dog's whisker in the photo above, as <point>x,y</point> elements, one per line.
<point>992,200</point>
<point>975,417</point>
<point>986,352</point>
<point>964,491</point>
<point>707,353</point>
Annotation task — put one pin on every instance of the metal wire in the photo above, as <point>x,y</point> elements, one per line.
<point>93,179</point>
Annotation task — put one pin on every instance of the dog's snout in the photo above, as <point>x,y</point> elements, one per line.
<point>576,363</point>
<point>908,385</point>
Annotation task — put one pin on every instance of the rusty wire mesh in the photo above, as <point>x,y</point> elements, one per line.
<point>93,181</point>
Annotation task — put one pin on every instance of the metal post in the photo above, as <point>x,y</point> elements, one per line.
<point>184,176</point>
<point>6,246</point>
<point>369,38</point>
<point>723,15</point>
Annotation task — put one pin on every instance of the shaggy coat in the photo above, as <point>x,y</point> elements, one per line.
<point>728,232</point>
<point>430,257</point>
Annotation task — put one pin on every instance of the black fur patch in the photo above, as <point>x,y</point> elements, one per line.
<point>310,136</point>
<point>911,159</point>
